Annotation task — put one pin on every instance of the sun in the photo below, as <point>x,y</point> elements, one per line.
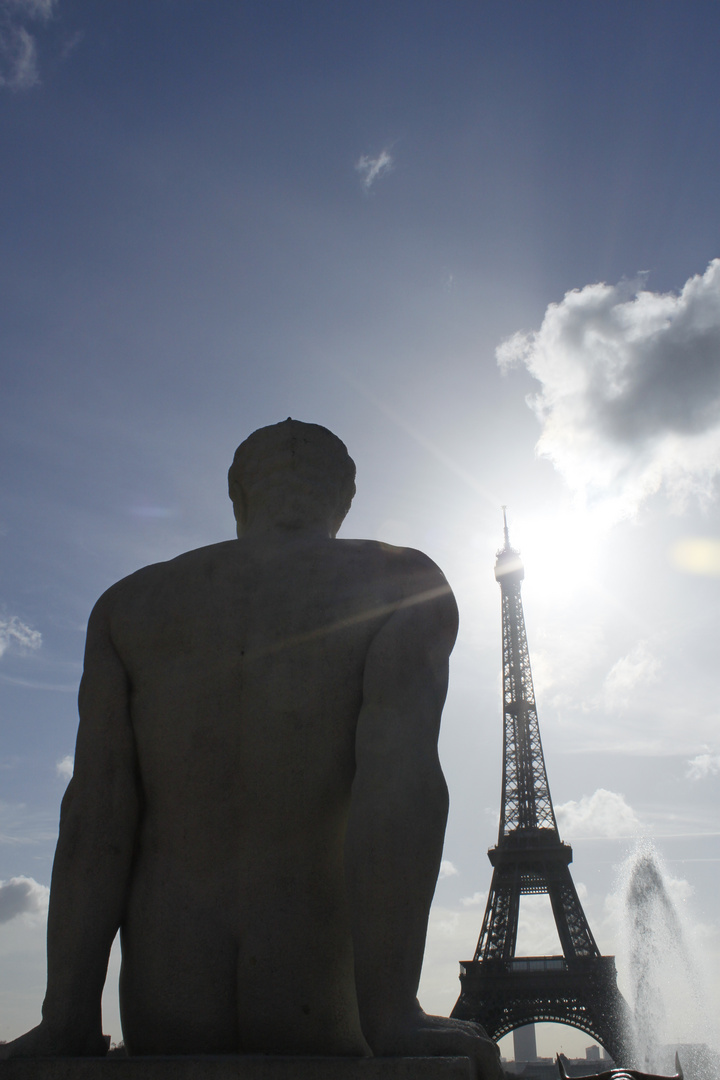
<point>561,551</point>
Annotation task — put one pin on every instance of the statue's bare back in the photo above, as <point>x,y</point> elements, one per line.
<point>244,704</point>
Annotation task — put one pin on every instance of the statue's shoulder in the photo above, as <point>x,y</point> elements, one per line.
<point>406,583</point>
<point>400,560</point>
<point>164,576</point>
<point>405,572</point>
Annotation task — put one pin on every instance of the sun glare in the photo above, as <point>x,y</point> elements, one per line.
<point>697,555</point>
<point>560,552</point>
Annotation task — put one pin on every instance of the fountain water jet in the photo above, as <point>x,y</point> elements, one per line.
<point>666,988</point>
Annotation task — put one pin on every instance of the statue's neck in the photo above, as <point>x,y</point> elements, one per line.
<point>269,532</point>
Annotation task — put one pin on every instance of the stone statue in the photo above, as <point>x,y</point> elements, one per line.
<point>257,801</point>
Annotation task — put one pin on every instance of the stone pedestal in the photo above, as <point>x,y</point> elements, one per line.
<point>236,1068</point>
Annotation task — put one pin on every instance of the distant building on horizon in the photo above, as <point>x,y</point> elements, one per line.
<point>525,1043</point>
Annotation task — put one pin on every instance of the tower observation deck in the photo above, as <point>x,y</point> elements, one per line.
<point>499,989</point>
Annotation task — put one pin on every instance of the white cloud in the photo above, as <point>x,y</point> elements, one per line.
<point>18,58</point>
<point>447,869</point>
<point>64,767</point>
<point>370,168</point>
<point>627,674</point>
<point>702,766</point>
<point>604,813</point>
<point>630,391</point>
<point>448,926</point>
<point>563,659</point>
<point>14,632</point>
<point>22,896</point>
<point>537,929</point>
<point>71,44</point>
<point>18,48</point>
<point>474,900</point>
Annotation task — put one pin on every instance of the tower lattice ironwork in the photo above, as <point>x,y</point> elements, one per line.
<point>500,990</point>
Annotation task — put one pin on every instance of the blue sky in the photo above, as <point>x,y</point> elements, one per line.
<point>216,215</point>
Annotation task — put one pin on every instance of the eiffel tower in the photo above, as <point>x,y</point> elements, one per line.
<point>500,990</point>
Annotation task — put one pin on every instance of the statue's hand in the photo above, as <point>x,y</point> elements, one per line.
<point>441,1036</point>
<point>41,1041</point>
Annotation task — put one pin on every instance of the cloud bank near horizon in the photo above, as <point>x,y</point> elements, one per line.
<point>629,398</point>
<point>602,814</point>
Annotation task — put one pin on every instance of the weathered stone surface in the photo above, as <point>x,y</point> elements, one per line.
<point>236,1068</point>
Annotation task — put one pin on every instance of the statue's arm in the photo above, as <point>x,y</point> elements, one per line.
<point>398,811</point>
<point>395,834</point>
<point>98,824</point>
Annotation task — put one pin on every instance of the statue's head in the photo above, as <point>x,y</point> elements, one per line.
<point>293,476</point>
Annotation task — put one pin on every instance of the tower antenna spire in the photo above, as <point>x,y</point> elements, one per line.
<point>506,531</point>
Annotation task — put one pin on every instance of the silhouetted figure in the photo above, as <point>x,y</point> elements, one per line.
<point>257,801</point>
